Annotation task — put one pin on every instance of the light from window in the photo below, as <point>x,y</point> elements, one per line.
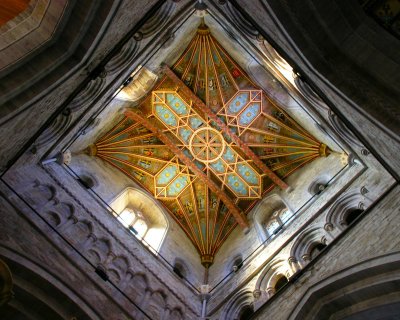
<point>285,216</point>
<point>134,222</point>
<point>126,217</point>
<point>274,225</point>
<point>141,227</point>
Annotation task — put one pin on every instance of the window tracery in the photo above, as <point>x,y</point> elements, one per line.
<point>137,212</point>
<point>278,220</point>
<point>134,221</point>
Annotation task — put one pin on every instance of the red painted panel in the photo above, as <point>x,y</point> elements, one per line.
<point>9,9</point>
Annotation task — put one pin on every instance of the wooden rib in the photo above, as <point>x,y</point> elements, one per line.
<point>127,129</point>
<point>273,145</point>
<point>282,165</point>
<point>120,123</point>
<point>191,60</point>
<point>189,223</point>
<point>271,118</point>
<point>134,155</point>
<point>226,68</point>
<point>126,140</point>
<point>215,74</point>
<point>278,155</point>
<point>232,61</point>
<point>129,164</point>
<point>197,103</point>
<point>197,216</point>
<point>235,211</point>
<point>271,133</point>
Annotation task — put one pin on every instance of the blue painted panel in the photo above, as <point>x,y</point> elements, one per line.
<point>166,116</point>
<point>166,175</point>
<point>248,174</point>
<point>195,122</point>
<point>249,114</point>
<point>218,166</point>
<point>238,103</point>
<point>237,185</point>
<point>185,134</point>
<point>177,104</point>
<point>229,155</point>
<point>176,187</point>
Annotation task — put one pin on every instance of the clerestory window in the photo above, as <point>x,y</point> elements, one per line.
<point>279,219</point>
<point>134,221</point>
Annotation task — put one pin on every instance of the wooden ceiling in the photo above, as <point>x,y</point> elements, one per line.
<point>208,144</point>
<point>9,9</point>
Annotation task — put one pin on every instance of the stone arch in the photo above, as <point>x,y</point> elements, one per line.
<point>88,95</point>
<point>79,233</point>
<point>336,216</point>
<point>54,130</point>
<point>137,287</point>
<point>232,311</point>
<point>6,283</point>
<point>118,267</point>
<point>176,314</point>
<point>156,306</point>
<point>60,213</point>
<point>300,253</point>
<point>264,212</point>
<point>271,274</point>
<point>100,251</point>
<point>124,56</point>
<point>38,292</point>
<point>137,199</point>
<point>310,94</point>
<point>157,21</point>
<point>181,269</point>
<point>369,287</point>
<point>343,131</point>
<point>41,195</point>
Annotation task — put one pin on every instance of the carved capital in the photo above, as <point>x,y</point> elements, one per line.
<point>257,293</point>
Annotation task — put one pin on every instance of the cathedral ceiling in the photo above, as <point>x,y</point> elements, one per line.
<point>208,143</point>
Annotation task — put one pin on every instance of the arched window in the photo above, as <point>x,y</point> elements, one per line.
<point>270,215</point>
<point>279,218</point>
<point>139,213</point>
<point>134,221</point>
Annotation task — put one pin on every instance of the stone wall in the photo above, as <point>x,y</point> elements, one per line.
<point>370,243</point>
<point>79,223</point>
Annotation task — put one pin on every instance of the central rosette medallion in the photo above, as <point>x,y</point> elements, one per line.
<point>207,145</point>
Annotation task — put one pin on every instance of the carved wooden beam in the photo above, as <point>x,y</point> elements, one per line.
<point>202,107</point>
<point>233,209</point>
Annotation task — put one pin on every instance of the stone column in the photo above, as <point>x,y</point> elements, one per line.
<point>270,291</point>
<point>294,264</point>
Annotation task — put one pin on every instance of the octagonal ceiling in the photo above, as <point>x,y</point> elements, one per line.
<point>208,144</point>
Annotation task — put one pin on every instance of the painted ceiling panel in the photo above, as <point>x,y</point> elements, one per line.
<point>172,146</point>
